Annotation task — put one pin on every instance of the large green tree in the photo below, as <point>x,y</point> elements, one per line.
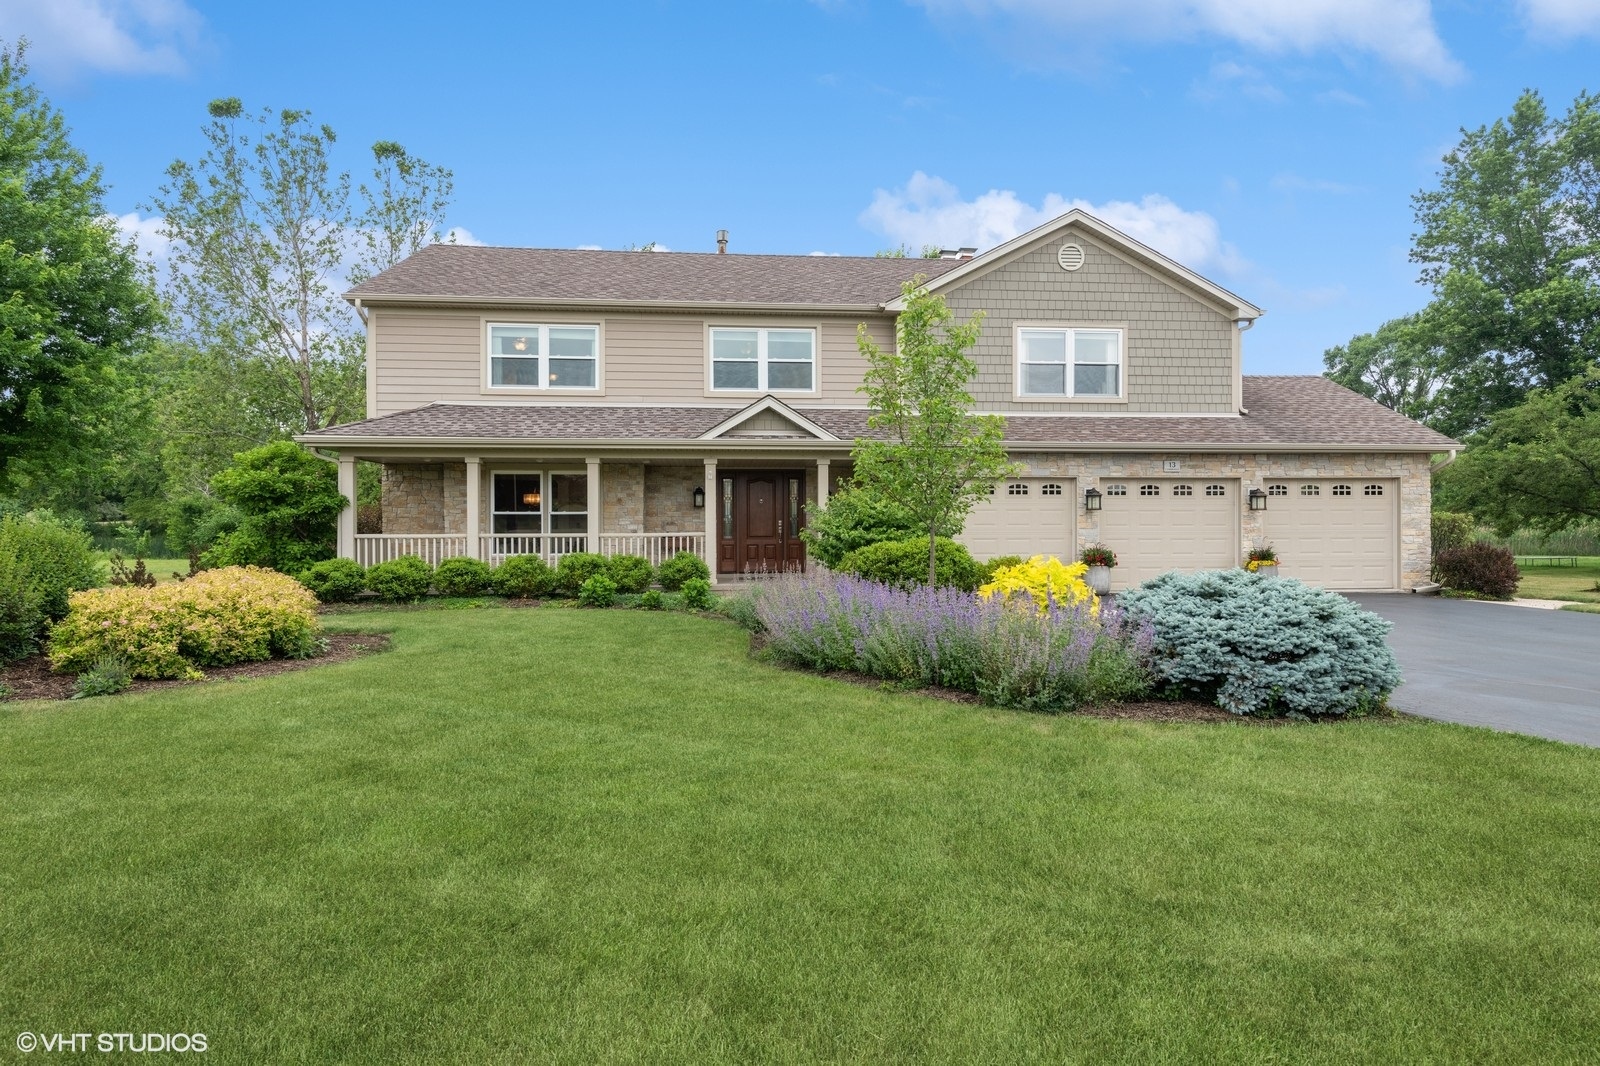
<point>1535,466</point>
<point>936,458</point>
<point>265,234</point>
<point>1509,242</point>
<point>77,311</point>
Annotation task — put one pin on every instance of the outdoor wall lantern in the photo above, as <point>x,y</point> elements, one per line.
<point>699,497</point>
<point>1091,500</point>
<point>1258,500</point>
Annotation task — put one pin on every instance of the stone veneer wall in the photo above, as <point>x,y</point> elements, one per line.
<point>424,498</point>
<point>1254,471</point>
<point>669,498</point>
<point>622,490</point>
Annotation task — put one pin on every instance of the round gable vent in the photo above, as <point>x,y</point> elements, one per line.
<point>1070,257</point>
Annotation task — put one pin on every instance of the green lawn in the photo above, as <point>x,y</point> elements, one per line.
<point>163,569</point>
<point>571,836</point>
<point>1575,583</point>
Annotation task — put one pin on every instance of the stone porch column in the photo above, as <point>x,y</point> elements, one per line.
<point>822,483</point>
<point>596,505</point>
<point>474,488</point>
<point>346,540</point>
<point>713,508</point>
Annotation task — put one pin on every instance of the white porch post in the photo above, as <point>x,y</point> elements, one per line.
<point>474,488</point>
<point>346,540</point>
<point>822,482</point>
<point>713,508</point>
<point>596,506</point>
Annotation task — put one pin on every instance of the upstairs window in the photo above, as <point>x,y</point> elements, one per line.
<point>1069,363</point>
<point>528,355</point>
<point>764,360</point>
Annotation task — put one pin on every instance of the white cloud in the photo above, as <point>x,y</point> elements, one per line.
<point>1340,96</point>
<point>826,255</point>
<point>930,210</point>
<point>1399,32</point>
<point>462,235</point>
<point>589,248</point>
<point>1289,182</point>
<point>1229,78</point>
<point>145,233</point>
<point>70,38</point>
<point>1557,20</point>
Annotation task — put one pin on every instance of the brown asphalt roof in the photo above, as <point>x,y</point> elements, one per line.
<point>465,272</point>
<point>1283,411</point>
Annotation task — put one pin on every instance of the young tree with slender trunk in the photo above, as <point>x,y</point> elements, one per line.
<point>936,459</point>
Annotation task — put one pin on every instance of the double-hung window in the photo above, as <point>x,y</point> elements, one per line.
<point>1069,363</point>
<point>764,360</point>
<point>543,356</point>
<point>534,502</point>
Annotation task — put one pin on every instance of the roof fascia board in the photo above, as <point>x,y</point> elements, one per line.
<point>1142,255</point>
<point>410,445</point>
<point>688,306</point>
<point>767,403</point>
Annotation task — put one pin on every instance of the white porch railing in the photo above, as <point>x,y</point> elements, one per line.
<point>495,548</point>
<point>374,548</point>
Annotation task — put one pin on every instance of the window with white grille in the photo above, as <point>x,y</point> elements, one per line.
<point>1341,490</point>
<point>1116,490</point>
<point>1372,490</point>
<point>1015,489</point>
<point>1183,490</point>
<point>1310,490</point>
<point>1149,490</point>
<point>1050,490</point>
<point>1277,490</point>
<point>1216,490</point>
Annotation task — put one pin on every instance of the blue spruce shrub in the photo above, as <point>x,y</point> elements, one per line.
<point>1265,646</point>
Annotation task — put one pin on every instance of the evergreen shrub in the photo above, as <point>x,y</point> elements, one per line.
<point>904,563</point>
<point>1264,646</point>
<point>335,580</point>
<point>682,567</point>
<point>523,576</point>
<point>462,576</point>
<point>632,573</point>
<point>597,591</point>
<point>575,568</point>
<point>854,518</point>
<point>56,557</point>
<point>402,580</point>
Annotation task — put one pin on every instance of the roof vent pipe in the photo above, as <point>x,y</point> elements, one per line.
<point>722,242</point>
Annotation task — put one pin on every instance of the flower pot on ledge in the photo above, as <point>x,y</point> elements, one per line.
<point>1267,569</point>
<point>1099,579</point>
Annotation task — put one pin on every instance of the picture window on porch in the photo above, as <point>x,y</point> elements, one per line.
<point>522,501</point>
<point>538,356</point>
<point>763,360</point>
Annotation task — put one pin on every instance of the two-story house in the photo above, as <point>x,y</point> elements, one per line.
<point>547,401</point>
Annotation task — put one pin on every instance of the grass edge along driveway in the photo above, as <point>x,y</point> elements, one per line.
<point>610,837</point>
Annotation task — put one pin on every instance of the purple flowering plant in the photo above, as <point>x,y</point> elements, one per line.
<point>1010,654</point>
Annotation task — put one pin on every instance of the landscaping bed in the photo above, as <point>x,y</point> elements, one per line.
<point>32,678</point>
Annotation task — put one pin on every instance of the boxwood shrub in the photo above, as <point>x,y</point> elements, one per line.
<point>904,563</point>
<point>1264,646</point>
<point>235,614</point>
<point>523,576</point>
<point>631,573</point>
<point>335,580</point>
<point>402,580</point>
<point>682,567</point>
<point>462,576</point>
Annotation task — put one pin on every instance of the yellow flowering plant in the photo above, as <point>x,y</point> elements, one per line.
<point>233,615</point>
<point>1041,579</point>
<point>1260,557</point>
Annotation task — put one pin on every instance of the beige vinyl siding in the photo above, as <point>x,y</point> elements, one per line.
<point>1178,350</point>
<point>423,356</point>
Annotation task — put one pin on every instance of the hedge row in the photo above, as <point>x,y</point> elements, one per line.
<point>409,578</point>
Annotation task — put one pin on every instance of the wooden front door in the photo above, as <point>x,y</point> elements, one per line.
<point>762,514</point>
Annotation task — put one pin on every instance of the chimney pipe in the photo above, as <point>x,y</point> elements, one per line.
<point>722,242</point>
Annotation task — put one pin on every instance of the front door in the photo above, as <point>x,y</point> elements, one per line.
<point>763,512</point>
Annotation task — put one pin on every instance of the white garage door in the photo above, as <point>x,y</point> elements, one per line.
<point>1160,524</point>
<point>1025,516</point>
<point>1338,533</point>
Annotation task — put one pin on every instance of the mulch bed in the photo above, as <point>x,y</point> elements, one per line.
<point>31,678</point>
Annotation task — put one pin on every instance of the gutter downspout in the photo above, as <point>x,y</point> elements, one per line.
<point>362,311</point>
<point>1436,467</point>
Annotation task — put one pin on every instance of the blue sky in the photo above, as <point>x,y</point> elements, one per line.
<point>1273,145</point>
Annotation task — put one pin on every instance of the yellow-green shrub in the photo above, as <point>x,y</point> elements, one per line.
<point>1042,579</point>
<point>233,615</point>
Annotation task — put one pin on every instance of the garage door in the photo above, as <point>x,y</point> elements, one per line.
<point>1025,516</point>
<point>1160,524</point>
<point>1341,534</point>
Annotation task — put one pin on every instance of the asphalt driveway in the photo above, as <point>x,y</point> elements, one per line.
<point>1493,664</point>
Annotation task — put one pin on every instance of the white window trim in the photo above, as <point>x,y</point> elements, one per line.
<point>543,327</point>
<point>544,474</point>
<point>1071,329</point>
<point>761,329</point>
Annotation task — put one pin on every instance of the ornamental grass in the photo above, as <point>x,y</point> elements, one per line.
<point>235,614</point>
<point>1006,649</point>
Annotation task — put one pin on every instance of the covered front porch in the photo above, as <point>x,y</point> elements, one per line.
<point>741,513</point>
